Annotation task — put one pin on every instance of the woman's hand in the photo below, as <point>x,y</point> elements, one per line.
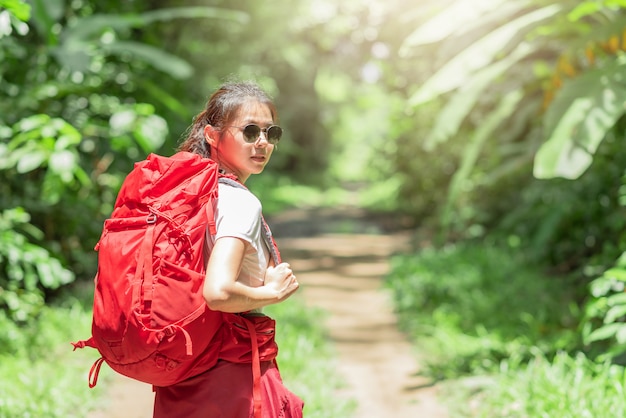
<point>281,279</point>
<point>223,292</point>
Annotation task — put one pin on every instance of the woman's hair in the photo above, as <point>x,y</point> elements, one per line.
<point>220,110</point>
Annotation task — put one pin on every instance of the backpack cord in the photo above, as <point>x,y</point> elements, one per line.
<point>94,372</point>
<point>256,369</point>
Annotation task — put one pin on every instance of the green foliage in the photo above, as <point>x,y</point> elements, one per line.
<point>584,111</point>
<point>100,33</point>
<point>573,224</point>
<point>71,128</point>
<point>278,193</point>
<point>51,144</point>
<point>560,387</point>
<point>483,55</point>
<point>40,165</point>
<point>483,51</point>
<point>482,310</point>
<point>479,304</point>
<point>605,311</point>
<point>473,150</point>
<point>590,7</point>
<point>39,374</point>
<point>18,8</point>
<point>136,130</point>
<point>25,269</point>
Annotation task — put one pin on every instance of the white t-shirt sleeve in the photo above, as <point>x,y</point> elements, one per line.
<point>238,215</point>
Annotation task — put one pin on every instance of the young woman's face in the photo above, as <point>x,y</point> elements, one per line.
<point>230,148</point>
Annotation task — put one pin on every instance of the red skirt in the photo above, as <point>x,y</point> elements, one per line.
<point>225,391</point>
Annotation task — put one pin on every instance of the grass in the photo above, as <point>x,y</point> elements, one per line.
<point>40,375</point>
<point>479,305</point>
<point>562,387</point>
<point>502,335</point>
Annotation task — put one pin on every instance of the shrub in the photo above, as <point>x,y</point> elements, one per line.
<point>40,376</point>
<point>26,269</point>
<point>472,305</point>
<point>562,387</point>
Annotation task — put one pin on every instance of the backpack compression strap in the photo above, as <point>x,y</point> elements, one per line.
<point>256,370</point>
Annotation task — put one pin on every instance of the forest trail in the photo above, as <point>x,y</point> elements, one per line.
<point>339,258</point>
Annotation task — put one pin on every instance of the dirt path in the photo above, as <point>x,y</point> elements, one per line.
<point>340,273</point>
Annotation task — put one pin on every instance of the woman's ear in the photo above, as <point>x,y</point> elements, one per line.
<point>211,135</point>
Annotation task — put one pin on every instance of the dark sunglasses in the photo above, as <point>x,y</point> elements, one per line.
<point>252,132</point>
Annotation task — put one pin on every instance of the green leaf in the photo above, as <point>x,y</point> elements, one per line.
<point>32,122</point>
<point>484,132</point>
<point>31,161</point>
<point>620,335</point>
<point>5,132</point>
<point>621,261</point>
<point>578,120</point>
<point>45,14</point>
<point>560,156</point>
<point>122,121</point>
<point>615,313</point>
<point>589,7</point>
<point>92,26</point>
<point>459,14</point>
<point>618,273</point>
<point>62,164</point>
<point>616,299</point>
<point>605,332</point>
<point>82,177</point>
<point>19,9</point>
<point>151,133</point>
<point>196,13</point>
<point>52,188</point>
<point>460,105</point>
<point>161,95</point>
<point>480,54</point>
<point>52,274</point>
<point>601,286</point>
<point>69,136</point>
<point>585,8</point>
<point>157,57</point>
<point>5,157</point>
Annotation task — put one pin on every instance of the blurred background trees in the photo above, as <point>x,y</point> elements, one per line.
<point>491,120</point>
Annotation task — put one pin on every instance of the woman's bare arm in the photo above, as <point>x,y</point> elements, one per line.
<point>223,292</point>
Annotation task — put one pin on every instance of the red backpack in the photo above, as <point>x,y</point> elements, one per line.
<point>150,320</point>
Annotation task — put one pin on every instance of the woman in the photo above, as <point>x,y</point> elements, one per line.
<point>237,130</point>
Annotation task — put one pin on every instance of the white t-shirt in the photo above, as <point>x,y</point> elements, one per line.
<point>238,214</point>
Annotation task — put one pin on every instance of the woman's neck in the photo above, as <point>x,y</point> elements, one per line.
<point>230,174</point>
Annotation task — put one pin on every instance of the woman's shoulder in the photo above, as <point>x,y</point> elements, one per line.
<point>238,195</point>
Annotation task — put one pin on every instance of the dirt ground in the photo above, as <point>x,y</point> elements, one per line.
<point>339,258</point>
